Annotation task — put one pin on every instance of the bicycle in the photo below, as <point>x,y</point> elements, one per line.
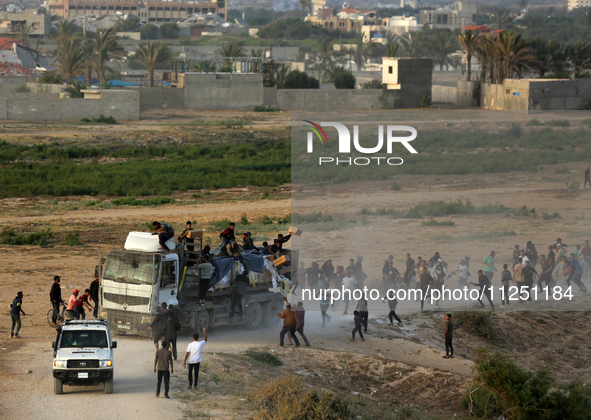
<point>59,317</point>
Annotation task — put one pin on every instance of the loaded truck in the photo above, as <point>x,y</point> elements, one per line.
<point>136,280</point>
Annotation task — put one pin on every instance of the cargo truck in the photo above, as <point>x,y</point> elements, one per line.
<point>137,279</point>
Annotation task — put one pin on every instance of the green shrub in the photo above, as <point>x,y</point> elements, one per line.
<point>314,217</point>
<point>73,239</point>
<point>104,120</point>
<point>394,186</point>
<point>220,224</point>
<point>300,80</point>
<point>550,216</point>
<point>374,84</point>
<point>266,220</point>
<point>131,201</point>
<point>558,123</point>
<point>534,123</point>
<point>22,88</point>
<point>264,357</point>
<point>345,80</point>
<point>478,323</point>
<point>42,238</point>
<point>433,222</point>
<point>243,220</point>
<point>524,212</point>
<point>51,78</point>
<point>260,108</point>
<point>501,388</point>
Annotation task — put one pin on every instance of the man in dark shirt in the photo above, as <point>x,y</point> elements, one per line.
<point>55,296</point>
<point>528,275</point>
<point>227,235</point>
<point>157,325</point>
<point>238,291</point>
<point>15,314</point>
<point>327,272</point>
<point>358,272</point>
<point>162,362</point>
<point>278,243</point>
<point>587,178</point>
<point>248,243</point>
<point>425,281</point>
<point>410,266</point>
<point>94,295</point>
<point>313,275</point>
<point>171,329</point>
<point>448,336</point>
<point>164,232</point>
<point>484,284</point>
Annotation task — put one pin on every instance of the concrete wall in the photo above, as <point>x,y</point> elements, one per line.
<point>339,99</point>
<point>122,105</point>
<point>223,91</point>
<point>444,94</point>
<point>468,94</point>
<point>161,98</point>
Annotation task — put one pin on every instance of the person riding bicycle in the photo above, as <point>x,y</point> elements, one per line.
<point>55,296</point>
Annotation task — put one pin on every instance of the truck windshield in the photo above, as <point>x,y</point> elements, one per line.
<point>132,268</point>
<point>83,339</point>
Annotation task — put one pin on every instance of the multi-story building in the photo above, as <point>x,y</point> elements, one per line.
<point>396,25</point>
<point>576,4</point>
<point>147,10</point>
<point>461,14</point>
<point>347,20</point>
<point>29,21</point>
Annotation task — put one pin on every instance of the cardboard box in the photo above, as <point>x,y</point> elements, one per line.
<point>284,259</point>
<point>284,270</point>
<point>195,233</point>
<point>295,231</point>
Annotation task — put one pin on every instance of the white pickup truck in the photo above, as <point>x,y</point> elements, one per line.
<point>83,354</point>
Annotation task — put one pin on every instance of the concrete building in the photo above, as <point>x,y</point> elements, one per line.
<point>412,77</point>
<point>461,14</point>
<point>396,25</point>
<point>347,20</point>
<point>36,24</point>
<point>16,59</point>
<point>576,4</point>
<point>148,11</point>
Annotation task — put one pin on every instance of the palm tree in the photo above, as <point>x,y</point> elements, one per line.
<point>106,48</point>
<point>359,53</point>
<point>550,56</point>
<point>579,57</point>
<point>500,17</point>
<point>151,54</point>
<point>469,42</point>
<point>257,53</point>
<point>305,5</point>
<point>230,49</point>
<point>88,62</point>
<point>443,44</point>
<point>412,43</point>
<point>484,52</point>
<point>70,56</point>
<point>514,55</point>
<point>391,45</point>
<point>66,29</point>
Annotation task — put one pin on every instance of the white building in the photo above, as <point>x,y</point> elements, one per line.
<point>576,4</point>
<point>396,25</point>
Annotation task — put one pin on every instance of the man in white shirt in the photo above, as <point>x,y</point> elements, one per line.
<point>464,273</point>
<point>193,356</point>
<point>350,283</point>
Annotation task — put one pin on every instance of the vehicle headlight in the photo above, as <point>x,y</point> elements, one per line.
<point>105,363</point>
<point>60,363</point>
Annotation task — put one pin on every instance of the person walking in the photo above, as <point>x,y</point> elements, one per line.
<point>171,329</point>
<point>587,178</point>
<point>238,290</point>
<point>489,266</point>
<point>157,325</point>
<point>80,303</point>
<point>506,277</point>
<point>193,357</point>
<point>363,312</point>
<point>289,325</point>
<point>300,314</point>
<point>448,336</point>
<point>16,308</point>
<point>162,364</point>
<point>324,304</point>
<point>408,272</point>
<point>528,276</point>
<point>484,284</point>
<point>71,308</point>
<point>350,283</point>
<point>358,326</point>
<point>392,304</point>
<point>55,296</point>
<point>94,294</point>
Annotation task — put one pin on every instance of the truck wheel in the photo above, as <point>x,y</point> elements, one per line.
<point>270,315</point>
<point>109,386</point>
<point>58,386</point>
<point>202,321</point>
<point>254,316</point>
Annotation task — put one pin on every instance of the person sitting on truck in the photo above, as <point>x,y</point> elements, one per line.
<point>71,308</point>
<point>164,232</point>
<point>157,325</point>
<point>188,240</point>
<point>248,244</point>
<point>278,243</point>
<point>230,250</point>
<point>227,236</point>
<point>238,291</point>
